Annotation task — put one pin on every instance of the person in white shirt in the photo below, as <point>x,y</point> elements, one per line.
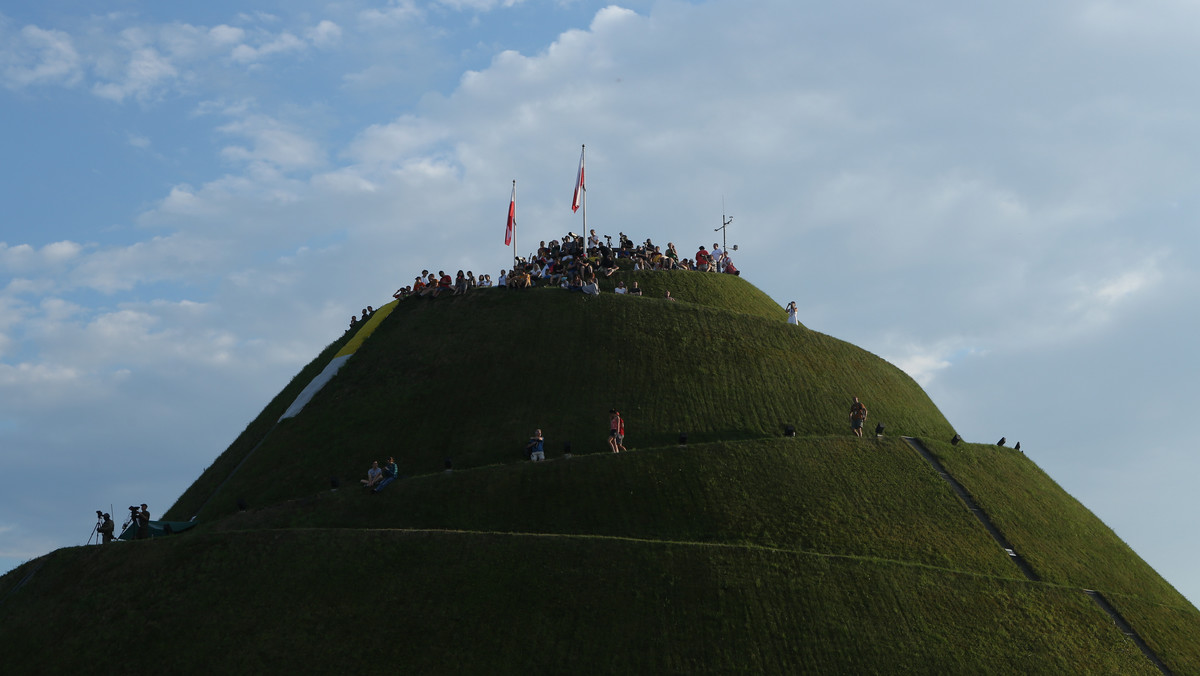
<point>718,256</point>
<point>791,313</point>
<point>620,287</point>
<point>502,280</point>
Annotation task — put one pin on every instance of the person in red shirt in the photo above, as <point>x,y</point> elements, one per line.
<point>703,260</point>
<point>444,283</point>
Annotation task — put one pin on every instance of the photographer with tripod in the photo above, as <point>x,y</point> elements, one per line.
<point>139,521</point>
<point>103,530</point>
<point>105,527</point>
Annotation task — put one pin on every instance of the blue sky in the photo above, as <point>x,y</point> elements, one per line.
<point>1001,200</point>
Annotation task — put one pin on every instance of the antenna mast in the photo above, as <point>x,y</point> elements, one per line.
<point>724,224</point>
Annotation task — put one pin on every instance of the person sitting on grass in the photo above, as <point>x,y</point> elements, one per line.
<point>390,472</point>
<point>519,279</point>
<point>591,288</point>
<point>620,288</point>
<point>635,290</point>
<point>536,447</point>
<point>444,284</point>
<point>669,297</point>
<point>460,284</point>
<point>431,286</point>
<point>374,476</point>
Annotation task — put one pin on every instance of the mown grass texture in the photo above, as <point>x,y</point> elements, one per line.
<point>840,495</point>
<point>470,378</point>
<point>1063,541</point>
<point>741,553</point>
<point>339,601</point>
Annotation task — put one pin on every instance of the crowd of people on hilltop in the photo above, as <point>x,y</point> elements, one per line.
<point>572,262</point>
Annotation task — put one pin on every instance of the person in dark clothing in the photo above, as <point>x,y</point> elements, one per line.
<point>143,523</point>
<point>106,529</point>
<point>390,472</point>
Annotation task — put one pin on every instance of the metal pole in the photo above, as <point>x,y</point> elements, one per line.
<point>514,199</point>
<point>583,187</point>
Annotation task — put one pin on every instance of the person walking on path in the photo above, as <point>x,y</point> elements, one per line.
<point>858,416</point>
<point>614,424</point>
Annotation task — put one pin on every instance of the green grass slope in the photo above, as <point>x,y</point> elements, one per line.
<point>743,552</point>
<point>195,496</point>
<point>835,495</point>
<point>372,601</point>
<point>470,378</point>
<point>1063,541</point>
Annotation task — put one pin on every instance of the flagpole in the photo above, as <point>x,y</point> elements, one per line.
<point>514,225</point>
<point>583,197</point>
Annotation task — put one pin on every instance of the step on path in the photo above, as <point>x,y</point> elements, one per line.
<point>1021,563</point>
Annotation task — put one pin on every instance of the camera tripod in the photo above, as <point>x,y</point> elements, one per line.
<point>96,532</point>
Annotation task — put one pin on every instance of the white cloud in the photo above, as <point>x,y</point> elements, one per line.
<point>39,56</point>
<point>226,35</point>
<point>145,72</point>
<point>23,258</point>
<point>395,12</point>
<point>273,142</point>
<point>173,257</point>
<point>397,141</point>
<point>279,44</point>
<point>479,5</point>
<point>324,34</point>
<point>1098,301</point>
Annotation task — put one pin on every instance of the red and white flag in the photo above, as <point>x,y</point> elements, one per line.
<point>512,216</point>
<point>579,187</point>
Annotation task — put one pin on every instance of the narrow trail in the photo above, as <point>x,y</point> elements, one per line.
<point>21,583</point>
<point>1021,563</point>
<point>974,508</point>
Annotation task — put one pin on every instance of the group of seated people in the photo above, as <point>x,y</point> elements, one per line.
<point>574,263</point>
<point>429,284</point>
<point>366,314</point>
<point>571,263</point>
<point>379,477</point>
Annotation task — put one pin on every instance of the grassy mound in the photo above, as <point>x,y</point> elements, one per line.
<point>470,378</point>
<point>741,552</point>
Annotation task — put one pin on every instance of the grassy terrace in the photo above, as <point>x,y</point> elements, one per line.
<point>830,495</point>
<point>339,600</point>
<point>470,378</point>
